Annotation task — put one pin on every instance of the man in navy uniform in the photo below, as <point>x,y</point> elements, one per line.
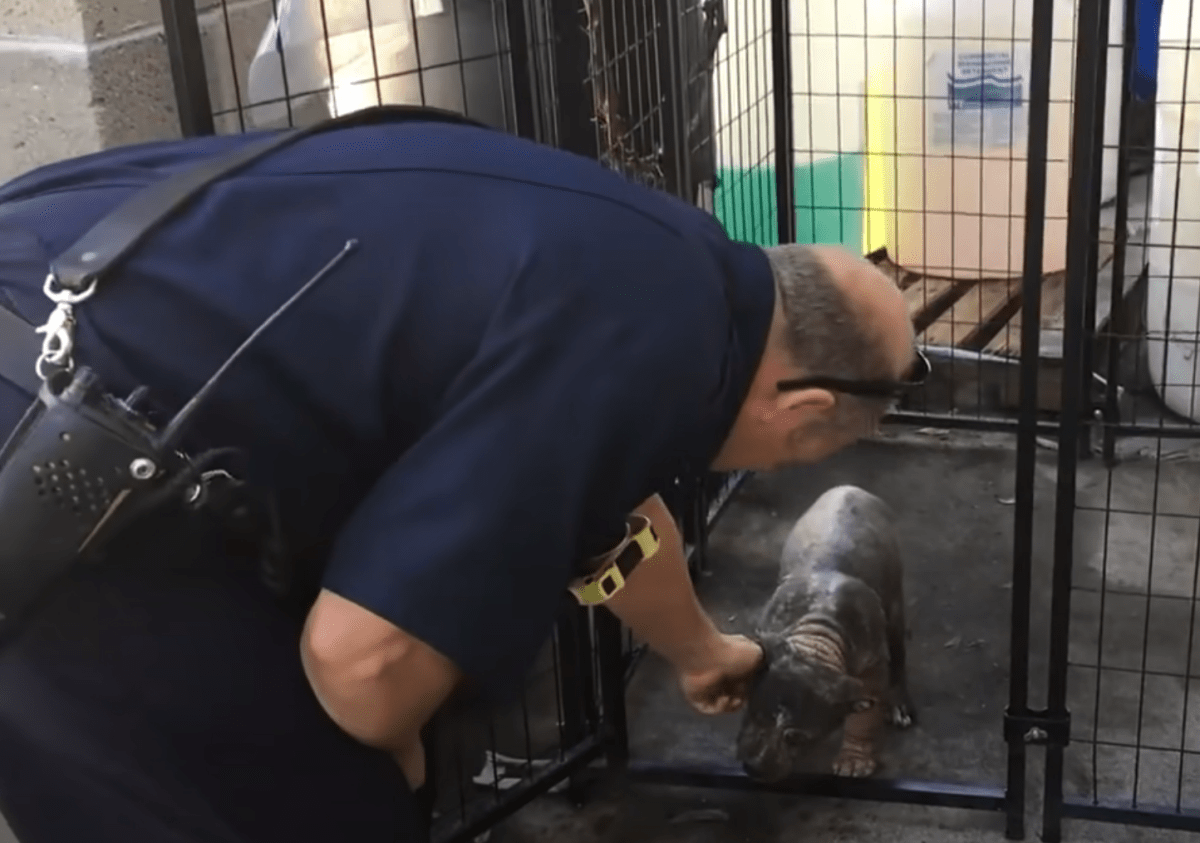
<point>523,351</point>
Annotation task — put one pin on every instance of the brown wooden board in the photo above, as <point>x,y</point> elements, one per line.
<point>980,303</point>
<point>977,314</point>
<point>903,278</point>
<point>1054,291</point>
<point>924,295</point>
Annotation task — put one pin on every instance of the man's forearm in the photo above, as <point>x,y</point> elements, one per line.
<point>376,682</point>
<point>659,603</point>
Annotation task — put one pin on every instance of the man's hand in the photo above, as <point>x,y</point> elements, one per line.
<point>722,687</point>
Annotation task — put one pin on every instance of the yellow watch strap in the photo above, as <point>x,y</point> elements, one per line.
<point>641,542</point>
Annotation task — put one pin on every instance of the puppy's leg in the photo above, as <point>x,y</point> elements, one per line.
<point>857,755</point>
<point>901,713</point>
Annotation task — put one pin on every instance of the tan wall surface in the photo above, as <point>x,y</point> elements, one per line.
<point>82,75</point>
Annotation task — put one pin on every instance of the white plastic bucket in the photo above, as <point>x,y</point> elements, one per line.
<point>1173,282</point>
<point>948,133</point>
<point>1112,104</point>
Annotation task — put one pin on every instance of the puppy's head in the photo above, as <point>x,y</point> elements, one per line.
<point>795,703</point>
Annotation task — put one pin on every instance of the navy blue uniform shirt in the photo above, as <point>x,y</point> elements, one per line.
<point>523,348</point>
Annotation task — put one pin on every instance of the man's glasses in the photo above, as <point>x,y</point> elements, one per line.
<point>867,388</point>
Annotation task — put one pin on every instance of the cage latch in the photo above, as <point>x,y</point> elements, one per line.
<point>1038,728</point>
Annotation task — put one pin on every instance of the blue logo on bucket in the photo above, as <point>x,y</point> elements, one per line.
<point>983,84</point>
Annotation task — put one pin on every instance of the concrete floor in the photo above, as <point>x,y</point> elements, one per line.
<point>954,496</point>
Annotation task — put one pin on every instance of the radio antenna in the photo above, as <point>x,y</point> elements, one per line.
<point>175,428</point>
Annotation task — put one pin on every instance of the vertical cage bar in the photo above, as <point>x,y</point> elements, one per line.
<point>181,26</point>
<point>575,686</point>
<point>1027,430</point>
<point>699,525</point>
<point>1079,237</point>
<point>781,59</point>
<point>427,794</point>
<point>567,676</point>
<point>572,78</point>
<point>1112,412</point>
<point>611,658</point>
<point>519,67</point>
<point>674,47</point>
<point>1091,340</point>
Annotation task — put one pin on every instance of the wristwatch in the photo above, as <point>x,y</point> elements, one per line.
<point>640,542</point>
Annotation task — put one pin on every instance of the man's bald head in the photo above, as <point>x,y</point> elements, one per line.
<point>840,315</point>
<point>836,316</point>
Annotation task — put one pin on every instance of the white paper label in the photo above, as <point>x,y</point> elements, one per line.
<point>978,99</point>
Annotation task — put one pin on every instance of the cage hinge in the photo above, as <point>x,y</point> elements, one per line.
<point>1038,728</point>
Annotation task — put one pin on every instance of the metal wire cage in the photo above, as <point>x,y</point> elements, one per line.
<point>629,83</point>
<point>1122,671</point>
<point>995,161</point>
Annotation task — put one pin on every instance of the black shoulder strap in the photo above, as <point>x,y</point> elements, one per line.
<point>20,348</point>
<point>120,231</point>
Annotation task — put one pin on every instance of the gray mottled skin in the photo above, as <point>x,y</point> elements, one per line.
<point>834,636</point>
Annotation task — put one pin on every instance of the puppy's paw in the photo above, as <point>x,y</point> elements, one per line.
<point>854,763</point>
<point>899,717</point>
<point>901,712</point>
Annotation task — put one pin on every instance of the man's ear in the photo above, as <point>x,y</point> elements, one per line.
<point>787,405</point>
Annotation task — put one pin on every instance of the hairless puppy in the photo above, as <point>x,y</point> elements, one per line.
<point>833,634</point>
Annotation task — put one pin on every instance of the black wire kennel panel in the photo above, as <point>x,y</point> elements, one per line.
<point>675,90</point>
<point>1125,651</point>
<point>240,66</point>
<point>486,764</point>
<point>779,184</point>
<point>1132,679</point>
<point>913,143</point>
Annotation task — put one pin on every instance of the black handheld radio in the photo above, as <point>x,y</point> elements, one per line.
<point>83,465</point>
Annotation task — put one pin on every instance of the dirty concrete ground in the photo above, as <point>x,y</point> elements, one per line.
<point>1132,615</point>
